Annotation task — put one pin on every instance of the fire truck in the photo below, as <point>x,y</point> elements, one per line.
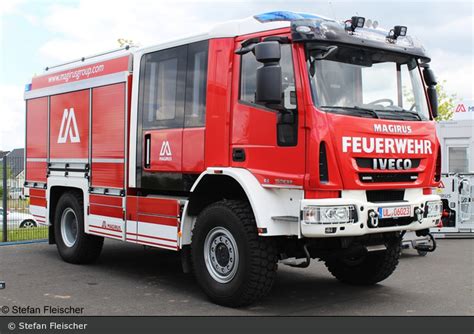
<point>280,138</point>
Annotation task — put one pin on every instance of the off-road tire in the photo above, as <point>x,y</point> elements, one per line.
<point>257,264</point>
<point>87,247</point>
<point>374,267</point>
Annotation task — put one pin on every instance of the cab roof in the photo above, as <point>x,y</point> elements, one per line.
<point>254,24</point>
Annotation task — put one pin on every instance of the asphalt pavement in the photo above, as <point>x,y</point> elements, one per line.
<point>131,280</point>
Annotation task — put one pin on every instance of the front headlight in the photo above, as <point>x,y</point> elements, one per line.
<point>433,209</point>
<point>329,214</point>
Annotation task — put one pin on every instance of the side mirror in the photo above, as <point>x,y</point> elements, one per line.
<point>269,74</point>
<point>431,82</point>
<point>433,98</point>
<point>429,77</point>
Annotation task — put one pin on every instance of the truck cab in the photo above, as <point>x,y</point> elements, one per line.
<point>280,138</point>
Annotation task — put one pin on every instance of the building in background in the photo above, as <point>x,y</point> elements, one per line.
<point>15,172</point>
<point>457,140</point>
<point>457,190</point>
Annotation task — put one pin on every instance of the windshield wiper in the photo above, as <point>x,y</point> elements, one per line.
<point>403,112</point>
<point>358,110</point>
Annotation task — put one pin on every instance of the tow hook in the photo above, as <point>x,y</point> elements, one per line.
<point>373,219</point>
<point>427,247</point>
<point>419,215</point>
<point>304,264</point>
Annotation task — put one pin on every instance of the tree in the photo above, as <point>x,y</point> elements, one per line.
<point>445,103</point>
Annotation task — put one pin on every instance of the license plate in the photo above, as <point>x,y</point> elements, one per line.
<point>394,212</point>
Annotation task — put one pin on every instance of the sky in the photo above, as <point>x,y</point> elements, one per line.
<point>39,33</point>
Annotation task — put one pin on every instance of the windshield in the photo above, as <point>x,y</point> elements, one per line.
<point>366,83</point>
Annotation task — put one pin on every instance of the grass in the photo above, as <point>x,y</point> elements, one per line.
<point>22,234</point>
<point>26,234</point>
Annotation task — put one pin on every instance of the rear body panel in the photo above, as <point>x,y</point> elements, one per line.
<point>37,139</point>
<point>108,136</point>
<point>69,126</point>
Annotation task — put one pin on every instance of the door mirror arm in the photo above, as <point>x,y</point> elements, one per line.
<point>431,82</point>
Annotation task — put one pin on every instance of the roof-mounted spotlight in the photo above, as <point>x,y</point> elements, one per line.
<point>355,22</point>
<point>397,31</point>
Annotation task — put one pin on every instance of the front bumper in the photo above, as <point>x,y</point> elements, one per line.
<point>361,225</point>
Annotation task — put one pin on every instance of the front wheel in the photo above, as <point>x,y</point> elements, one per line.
<point>368,269</point>
<point>232,264</point>
<point>74,245</point>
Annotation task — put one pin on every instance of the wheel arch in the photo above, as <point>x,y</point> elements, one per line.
<point>55,193</point>
<point>237,183</point>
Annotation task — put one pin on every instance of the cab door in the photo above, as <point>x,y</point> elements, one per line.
<point>161,118</point>
<point>268,139</point>
<point>172,115</point>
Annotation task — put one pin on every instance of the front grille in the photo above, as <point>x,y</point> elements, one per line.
<point>375,196</point>
<point>387,177</point>
<point>368,162</point>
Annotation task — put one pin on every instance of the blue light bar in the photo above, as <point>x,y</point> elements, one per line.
<point>285,16</point>
<point>27,87</point>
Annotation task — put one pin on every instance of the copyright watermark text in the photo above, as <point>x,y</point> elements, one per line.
<point>44,310</point>
<point>51,326</point>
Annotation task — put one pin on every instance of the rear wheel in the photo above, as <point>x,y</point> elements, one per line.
<point>74,245</point>
<point>232,264</point>
<point>368,269</point>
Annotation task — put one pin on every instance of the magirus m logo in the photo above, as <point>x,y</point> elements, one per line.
<point>165,152</point>
<point>69,128</point>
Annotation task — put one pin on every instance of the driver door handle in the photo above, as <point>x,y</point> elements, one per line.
<point>147,160</point>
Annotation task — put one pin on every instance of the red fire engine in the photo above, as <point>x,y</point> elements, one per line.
<point>280,138</point>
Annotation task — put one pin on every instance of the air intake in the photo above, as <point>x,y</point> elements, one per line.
<point>437,176</point>
<point>323,163</point>
<point>375,196</point>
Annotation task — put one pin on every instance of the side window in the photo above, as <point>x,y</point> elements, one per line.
<point>248,78</point>
<point>287,124</point>
<point>163,75</point>
<point>196,84</point>
<point>458,159</point>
